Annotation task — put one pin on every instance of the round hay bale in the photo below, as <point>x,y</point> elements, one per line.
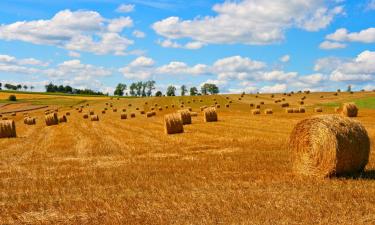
<point>181,106</point>
<point>227,105</point>
<point>268,111</point>
<point>239,99</point>
<point>302,110</point>
<point>4,118</point>
<point>149,114</point>
<point>85,116</point>
<point>137,108</point>
<point>94,118</point>
<point>322,96</point>
<point>200,100</point>
<point>218,106</point>
<point>210,115</point>
<point>142,112</point>
<point>160,109</point>
<point>91,112</point>
<point>301,102</point>
<point>29,120</point>
<point>166,107</point>
<point>13,114</point>
<point>255,111</point>
<point>114,110</point>
<point>67,113</point>
<point>289,110</point>
<point>172,105</point>
<point>51,119</point>
<point>296,110</point>
<point>152,108</point>
<point>251,104</point>
<point>284,105</point>
<point>8,129</point>
<point>318,110</point>
<point>123,110</point>
<point>230,102</point>
<point>130,105</point>
<point>124,116</point>
<point>349,110</point>
<point>257,106</point>
<point>329,145</point>
<point>103,111</point>
<point>335,94</point>
<point>62,119</point>
<point>189,108</point>
<point>262,103</point>
<point>185,116</point>
<point>132,115</point>
<point>156,105</point>
<point>173,124</point>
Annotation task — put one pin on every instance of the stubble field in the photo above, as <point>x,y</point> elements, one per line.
<point>234,171</point>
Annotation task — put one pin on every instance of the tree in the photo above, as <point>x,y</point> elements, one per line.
<point>19,87</point>
<point>150,87</point>
<point>209,89</point>
<point>12,98</point>
<point>31,87</point>
<point>119,91</point>
<point>183,90</point>
<point>139,86</point>
<point>25,87</point>
<point>1,85</point>
<point>144,86</point>
<point>158,94</point>
<point>193,91</point>
<point>171,91</point>
<point>132,89</point>
<point>348,90</point>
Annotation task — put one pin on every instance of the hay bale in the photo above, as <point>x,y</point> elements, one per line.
<point>349,110</point>
<point>318,109</point>
<point>289,110</point>
<point>142,112</point>
<point>149,114</point>
<point>189,108</point>
<point>103,111</point>
<point>329,145</point>
<point>173,124</point>
<point>13,114</point>
<point>296,110</point>
<point>262,103</point>
<point>284,105</point>
<point>67,113</point>
<point>8,129</point>
<point>268,111</point>
<point>172,105</point>
<point>257,106</point>
<point>29,120</point>
<point>218,106</point>
<point>335,94</point>
<point>160,109</point>
<point>123,110</point>
<point>91,112</point>
<point>62,119</point>
<point>94,118</point>
<point>239,99</point>
<point>51,119</point>
<point>185,116</point>
<point>200,100</point>
<point>114,110</point>
<point>124,116</point>
<point>301,102</point>
<point>166,107</point>
<point>4,118</point>
<point>85,116</point>
<point>302,110</point>
<point>227,105</point>
<point>137,108</point>
<point>251,104</point>
<point>210,114</point>
<point>129,105</point>
<point>255,111</point>
<point>132,115</point>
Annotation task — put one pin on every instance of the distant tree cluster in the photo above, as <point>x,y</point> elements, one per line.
<point>205,90</point>
<point>139,89</point>
<point>18,87</point>
<point>51,88</point>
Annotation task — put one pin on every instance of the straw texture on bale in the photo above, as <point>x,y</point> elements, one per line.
<point>349,110</point>
<point>268,111</point>
<point>173,124</point>
<point>289,110</point>
<point>29,120</point>
<point>302,110</point>
<point>185,116</point>
<point>132,115</point>
<point>94,118</point>
<point>284,105</point>
<point>329,145</point>
<point>85,116</point>
<point>296,110</point>
<point>210,115</point>
<point>8,129</point>
<point>257,106</point>
<point>51,119</point>
<point>62,119</point>
<point>124,116</point>
<point>255,111</point>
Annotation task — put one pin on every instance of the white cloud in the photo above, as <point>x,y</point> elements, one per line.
<point>277,75</point>
<point>285,58</point>
<point>362,68</point>
<point>181,68</point>
<point>236,67</point>
<point>11,60</point>
<point>250,21</point>
<point>277,88</point>
<point>371,5</point>
<point>327,64</point>
<point>331,45</point>
<point>167,43</point>
<point>141,68</point>
<point>139,34</point>
<point>78,31</point>
<point>74,54</point>
<point>125,8</point>
<point>364,36</point>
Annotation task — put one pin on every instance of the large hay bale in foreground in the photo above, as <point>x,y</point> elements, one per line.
<point>173,124</point>
<point>8,129</point>
<point>51,119</point>
<point>329,145</point>
<point>185,116</point>
<point>349,110</point>
<point>210,115</point>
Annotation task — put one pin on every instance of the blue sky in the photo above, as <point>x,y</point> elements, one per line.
<point>244,45</point>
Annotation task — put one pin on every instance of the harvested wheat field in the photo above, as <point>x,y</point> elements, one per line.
<point>237,170</point>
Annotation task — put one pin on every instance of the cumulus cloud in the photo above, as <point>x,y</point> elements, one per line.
<point>328,45</point>
<point>285,58</point>
<point>343,35</point>
<point>73,30</point>
<point>139,34</point>
<point>236,67</point>
<point>181,68</point>
<point>141,68</point>
<point>167,43</point>
<point>125,8</point>
<point>277,88</point>
<point>252,22</point>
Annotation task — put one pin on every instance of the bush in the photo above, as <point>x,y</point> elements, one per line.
<point>12,98</point>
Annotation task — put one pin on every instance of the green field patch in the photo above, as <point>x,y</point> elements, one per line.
<point>364,103</point>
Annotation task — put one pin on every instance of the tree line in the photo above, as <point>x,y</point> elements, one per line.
<point>17,87</point>
<point>52,88</point>
<point>145,89</point>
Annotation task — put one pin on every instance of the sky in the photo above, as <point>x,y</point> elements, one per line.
<point>239,45</point>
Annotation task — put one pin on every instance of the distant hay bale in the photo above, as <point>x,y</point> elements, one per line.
<point>268,111</point>
<point>251,104</point>
<point>51,119</point>
<point>4,118</point>
<point>124,116</point>
<point>262,103</point>
<point>302,110</point>
<point>272,96</point>
<point>301,102</point>
<point>230,102</point>
<point>29,120</point>
<point>137,108</point>
<point>103,111</point>
<point>227,105</point>
<point>318,109</point>
<point>329,145</point>
<point>185,116</point>
<point>172,105</point>
<point>13,114</point>
<point>107,103</point>
<point>152,108</point>
<point>322,96</point>
<point>182,106</point>
<point>149,114</point>
<point>349,110</point>
<point>255,111</point>
<point>239,99</point>
<point>200,100</point>
<point>155,104</point>
<point>85,116</point>
<point>160,109</point>
<point>67,113</point>
<point>289,110</point>
<point>166,107</point>
<point>91,112</point>
<point>129,105</point>
<point>123,110</point>
<point>303,98</point>
<point>257,106</point>
<point>296,110</point>
<point>218,106</point>
<point>189,108</point>
<point>114,110</point>
<point>193,114</point>
<point>336,94</point>
<point>188,102</point>
<point>8,129</point>
<point>173,124</point>
<point>210,115</point>
<point>142,112</point>
<point>62,119</point>
<point>283,99</point>
<point>94,118</point>
<point>284,105</point>
<point>132,115</point>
